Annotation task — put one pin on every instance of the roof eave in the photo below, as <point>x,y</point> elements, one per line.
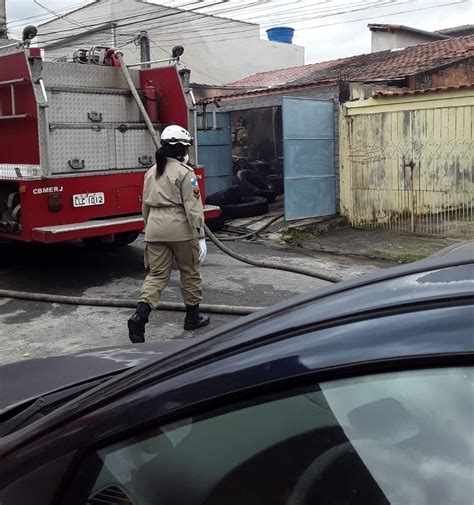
<point>402,28</point>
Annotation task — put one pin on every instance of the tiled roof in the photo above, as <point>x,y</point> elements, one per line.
<point>282,77</point>
<point>401,92</point>
<point>382,65</point>
<point>455,29</point>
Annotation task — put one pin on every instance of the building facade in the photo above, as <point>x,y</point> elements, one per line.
<point>407,161</point>
<point>216,50</point>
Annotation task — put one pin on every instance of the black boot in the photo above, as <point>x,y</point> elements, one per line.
<point>194,319</point>
<point>136,324</point>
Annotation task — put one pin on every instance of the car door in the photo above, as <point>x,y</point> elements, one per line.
<point>386,438</point>
<point>377,409</point>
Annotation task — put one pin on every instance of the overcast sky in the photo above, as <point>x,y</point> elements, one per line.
<point>343,35</point>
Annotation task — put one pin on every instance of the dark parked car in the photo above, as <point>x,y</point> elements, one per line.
<point>358,394</point>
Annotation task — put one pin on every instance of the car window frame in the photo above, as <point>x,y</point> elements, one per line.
<point>71,487</point>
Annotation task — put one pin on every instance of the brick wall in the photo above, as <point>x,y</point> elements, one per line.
<point>455,75</point>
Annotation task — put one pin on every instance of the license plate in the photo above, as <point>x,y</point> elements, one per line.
<point>88,199</point>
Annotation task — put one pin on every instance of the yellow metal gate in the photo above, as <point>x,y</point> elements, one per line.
<point>407,163</point>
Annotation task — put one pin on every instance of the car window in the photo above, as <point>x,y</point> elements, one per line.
<point>396,438</point>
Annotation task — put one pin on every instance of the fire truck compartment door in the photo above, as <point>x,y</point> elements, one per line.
<point>78,150</point>
<point>74,107</point>
<point>129,199</point>
<point>134,148</point>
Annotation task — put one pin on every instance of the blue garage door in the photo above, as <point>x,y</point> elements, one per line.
<point>214,152</point>
<point>308,149</point>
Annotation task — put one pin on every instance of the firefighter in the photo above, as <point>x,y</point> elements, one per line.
<point>240,138</point>
<point>174,228</point>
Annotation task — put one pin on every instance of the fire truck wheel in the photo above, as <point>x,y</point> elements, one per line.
<point>120,240</point>
<point>247,207</point>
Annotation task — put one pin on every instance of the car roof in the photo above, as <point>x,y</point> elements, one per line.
<point>446,273</point>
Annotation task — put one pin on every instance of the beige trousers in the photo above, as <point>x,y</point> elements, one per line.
<point>159,260</point>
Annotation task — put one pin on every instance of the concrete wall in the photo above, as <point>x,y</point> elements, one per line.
<point>271,99</point>
<point>407,163</point>
<point>217,51</point>
<point>383,41</point>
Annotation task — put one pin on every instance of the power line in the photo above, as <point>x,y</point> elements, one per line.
<point>314,14</point>
<point>210,37</point>
<point>37,16</point>
<point>193,67</point>
<point>60,16</point>
<point>337,22</point>
<point>151,11</point>
<point>153,18</point>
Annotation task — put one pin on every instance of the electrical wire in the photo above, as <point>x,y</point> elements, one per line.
<point>244,33</point>
<point>312,27</point>
<point>71,8</point>
<point>223,31</point>
<point>72,21</point>
<point>117,20</point>
<point>192,17</point>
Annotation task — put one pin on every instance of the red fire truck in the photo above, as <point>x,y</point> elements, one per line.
<point>74,146</point>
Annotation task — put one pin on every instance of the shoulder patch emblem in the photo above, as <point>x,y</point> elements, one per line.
<point>194,182</point>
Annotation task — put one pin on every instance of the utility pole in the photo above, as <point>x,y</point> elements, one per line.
<point>3,20</point>
<point>144,48</point>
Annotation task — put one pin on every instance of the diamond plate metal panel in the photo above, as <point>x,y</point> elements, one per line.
<point>308,147</point>
<point>87,145</point>
<point>10,171</point>
<point>73,74</point>
<point>130,146</point>
<point>67,107</point>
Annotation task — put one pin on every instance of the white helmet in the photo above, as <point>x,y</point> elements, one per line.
<point>175,134</point>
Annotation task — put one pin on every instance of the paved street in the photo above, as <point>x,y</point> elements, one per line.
<point>32,329</point>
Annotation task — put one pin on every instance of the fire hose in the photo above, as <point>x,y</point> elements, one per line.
<point>236,310</point>
<point>212,237</point>
<point>131,303</point>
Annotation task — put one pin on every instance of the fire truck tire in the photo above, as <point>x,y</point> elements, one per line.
<point>255,183</point>
<point>120,240</point>
<point>225,196</point>
<point>13,200</point>
<point>247,207</point>
<point>123,239</point>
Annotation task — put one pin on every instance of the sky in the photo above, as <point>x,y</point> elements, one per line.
<point>325,35</point>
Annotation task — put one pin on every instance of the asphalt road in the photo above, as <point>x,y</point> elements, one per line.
<point>33,329</point>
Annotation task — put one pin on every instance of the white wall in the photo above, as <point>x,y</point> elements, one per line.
<point>217,51</point>
<point>383,41</point>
